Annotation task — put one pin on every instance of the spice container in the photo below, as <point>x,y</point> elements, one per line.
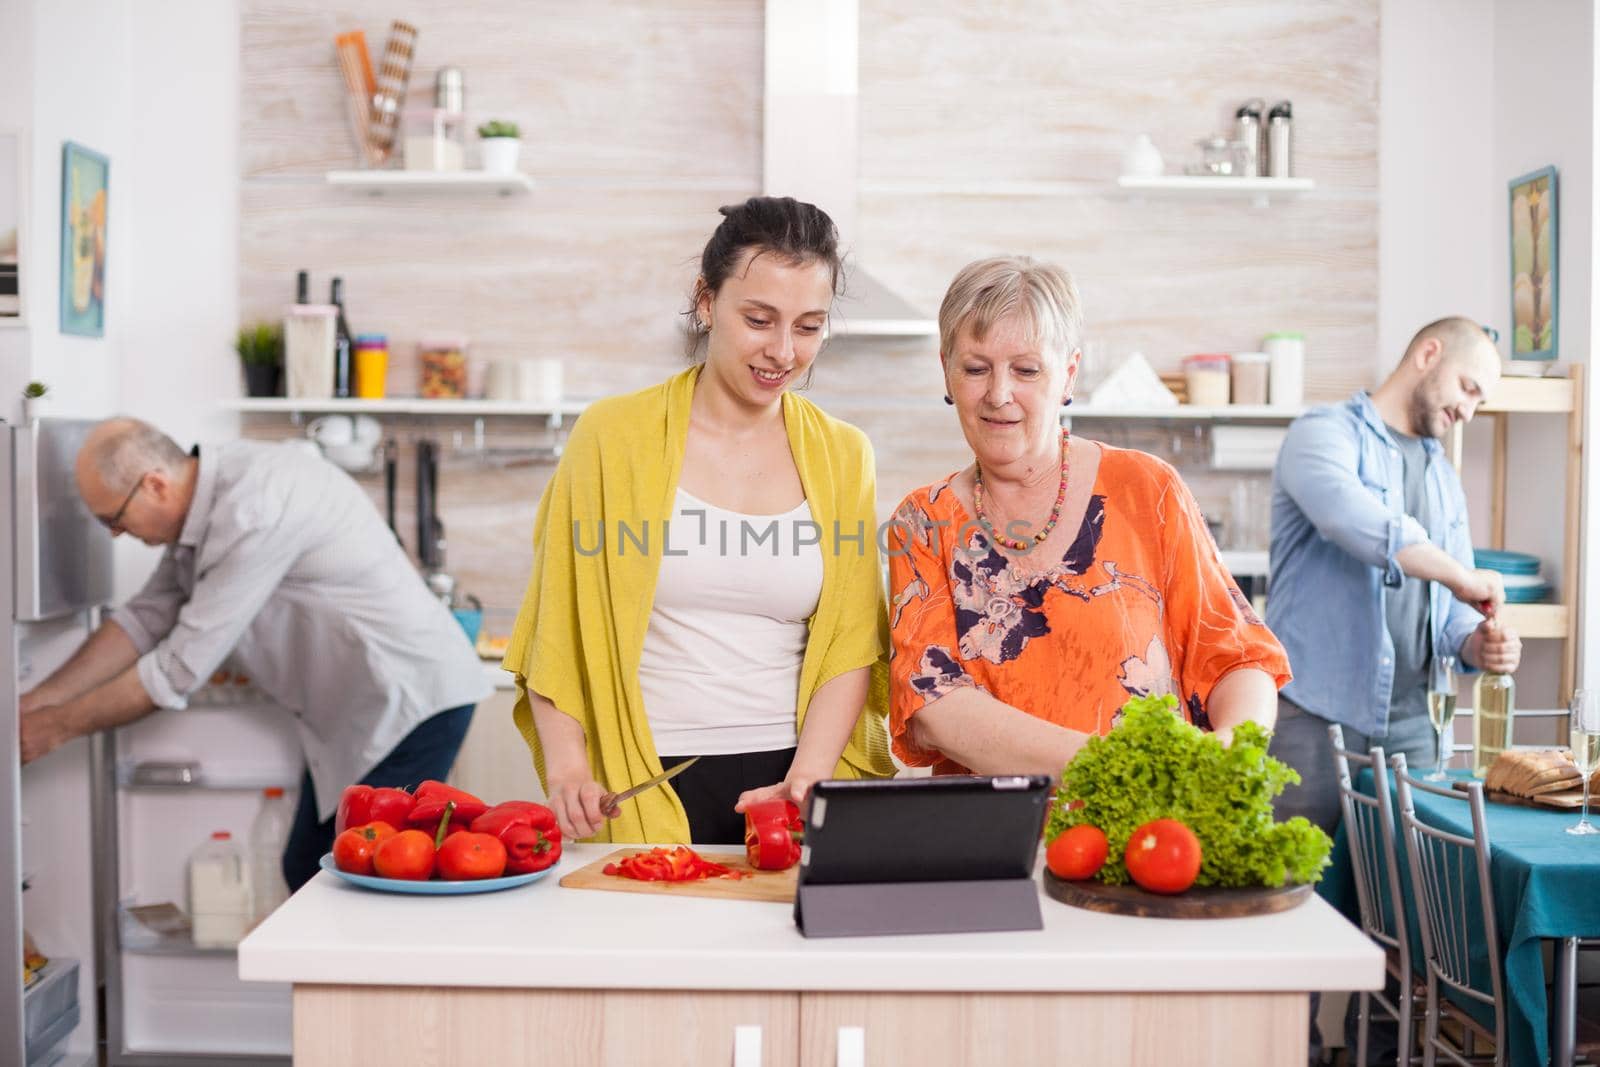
<point>372,366</point>
<point>443,363</point>
<point>435,139</point>
<point>1249,377</point>
<point>1207,378</point>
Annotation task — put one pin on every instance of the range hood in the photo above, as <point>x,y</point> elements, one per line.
<point>810,146</point>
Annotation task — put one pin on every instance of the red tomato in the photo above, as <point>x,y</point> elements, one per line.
<point>353,850</point>
<point>1077,853</point>
<point>408,854</point>
<point>465,856</point>
<point>1163,856</point>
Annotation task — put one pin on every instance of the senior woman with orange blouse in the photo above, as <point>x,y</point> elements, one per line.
<point>1038,589</point>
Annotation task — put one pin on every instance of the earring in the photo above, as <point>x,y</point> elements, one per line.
<point>947,400</point>
<point>1066,402</point>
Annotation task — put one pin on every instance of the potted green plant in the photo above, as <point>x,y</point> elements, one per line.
<point>260,349</point>
<point>33,398</point>
<point>501,145</point>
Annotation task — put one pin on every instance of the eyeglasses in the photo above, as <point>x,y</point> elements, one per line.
<point>1491,333</point>
<point>116,519</point>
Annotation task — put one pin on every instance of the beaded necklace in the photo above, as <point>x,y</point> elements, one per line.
<point>1055,512</point>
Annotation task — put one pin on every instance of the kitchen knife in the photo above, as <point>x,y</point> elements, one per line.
<point>611,800</point>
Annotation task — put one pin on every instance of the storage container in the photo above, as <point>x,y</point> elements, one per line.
<point>372,366</point>
<point>1249,377</point>
<point>50,1010</point>
<point>1207,378</point>
<point>435,139</point>
<point>1286,379</point>
<point>442,362</point>
<point>308,334</point>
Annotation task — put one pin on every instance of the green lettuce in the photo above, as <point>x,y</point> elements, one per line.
<point>1154,765</point>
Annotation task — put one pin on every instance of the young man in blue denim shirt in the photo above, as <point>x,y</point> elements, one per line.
<point>1372,573</point>
<point>1371,562</point>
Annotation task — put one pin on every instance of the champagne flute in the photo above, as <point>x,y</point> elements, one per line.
<point>1441,707</point>
<point>1584,722</point>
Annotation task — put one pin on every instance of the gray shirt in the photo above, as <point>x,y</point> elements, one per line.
<point>1407,606</point>
<point>284,562</point>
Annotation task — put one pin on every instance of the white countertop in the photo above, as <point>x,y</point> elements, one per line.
<point>544,936</point>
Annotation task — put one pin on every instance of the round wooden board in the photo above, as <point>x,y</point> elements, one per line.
<point>1205,903</point>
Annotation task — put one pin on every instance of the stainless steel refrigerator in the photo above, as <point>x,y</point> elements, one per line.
<point>90,842</point>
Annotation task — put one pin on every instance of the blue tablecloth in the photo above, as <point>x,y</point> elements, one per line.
<point>1546,885</point>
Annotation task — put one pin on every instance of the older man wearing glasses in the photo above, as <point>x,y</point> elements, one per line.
<point>278,557</point>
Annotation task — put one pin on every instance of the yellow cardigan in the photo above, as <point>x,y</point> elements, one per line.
<point>579,635</point>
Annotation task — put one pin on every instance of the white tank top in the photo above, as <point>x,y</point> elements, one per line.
<point>720,672</point>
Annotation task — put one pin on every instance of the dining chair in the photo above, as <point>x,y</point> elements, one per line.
<point>1370,830</point>
<point>1447,872</point>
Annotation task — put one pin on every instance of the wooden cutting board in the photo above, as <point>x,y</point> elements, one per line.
<point>1567,799</point>
<point>776,887</point>
<point>1202,903</point>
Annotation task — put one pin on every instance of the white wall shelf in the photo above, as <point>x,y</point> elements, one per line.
<point>1224,413</point>
<point>278,405</point>
<point>378,182</point>
<point>1259,190</point>
<point>844,327</point>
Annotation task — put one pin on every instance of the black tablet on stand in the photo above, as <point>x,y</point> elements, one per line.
<point>950,854</point>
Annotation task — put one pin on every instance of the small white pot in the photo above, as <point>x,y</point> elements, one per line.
<point>500,154</point>
<point>33,407</point>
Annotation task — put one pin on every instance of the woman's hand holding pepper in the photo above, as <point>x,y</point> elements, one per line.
<point>794,789</point>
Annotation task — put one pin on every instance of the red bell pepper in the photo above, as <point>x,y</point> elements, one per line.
<point>432,797</point>
<point>361,804</point>
<point>772,832</point>
<point>529,832</point>
<point>680,864</point>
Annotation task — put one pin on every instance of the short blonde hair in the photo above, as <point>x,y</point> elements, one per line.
<point>988,290</point>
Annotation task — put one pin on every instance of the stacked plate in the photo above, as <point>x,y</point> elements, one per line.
<point>1520,571</point>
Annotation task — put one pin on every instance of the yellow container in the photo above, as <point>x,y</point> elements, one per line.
<point>372,371</point>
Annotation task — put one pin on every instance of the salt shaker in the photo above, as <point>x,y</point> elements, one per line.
<point>1280,127</point>
<point>1247,134</point>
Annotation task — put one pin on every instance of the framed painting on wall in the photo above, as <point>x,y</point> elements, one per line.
<point>10,228</point>
<point>84,186</point>
<point>1534,305</point>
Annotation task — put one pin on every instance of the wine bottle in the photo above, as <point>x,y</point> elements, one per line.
<point>1493,704</point>
<point>341,345</point>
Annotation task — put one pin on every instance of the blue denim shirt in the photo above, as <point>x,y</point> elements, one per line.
<point>1338,521</point>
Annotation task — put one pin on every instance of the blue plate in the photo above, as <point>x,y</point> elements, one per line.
<point>432,888</point>
<point>1496,559</point>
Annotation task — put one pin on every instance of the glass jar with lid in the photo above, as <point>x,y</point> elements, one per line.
<point>442,362</point>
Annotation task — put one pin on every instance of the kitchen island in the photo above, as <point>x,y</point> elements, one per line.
<point>549,975</point>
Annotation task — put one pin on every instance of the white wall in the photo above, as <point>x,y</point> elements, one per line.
<point>181,231</point>
<point>80,93</point>
<point>1435,185</point>
<point>1544,114</point>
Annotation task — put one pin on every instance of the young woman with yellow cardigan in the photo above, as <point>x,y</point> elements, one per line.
<point>705,576</point>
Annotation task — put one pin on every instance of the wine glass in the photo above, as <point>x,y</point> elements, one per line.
<point>1441,708</point>
<point>1584,722</point>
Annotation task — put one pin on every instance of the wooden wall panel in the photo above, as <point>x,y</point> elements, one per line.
<point>640,118</point>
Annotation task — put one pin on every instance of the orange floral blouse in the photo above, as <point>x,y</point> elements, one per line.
<point>1139,605</point>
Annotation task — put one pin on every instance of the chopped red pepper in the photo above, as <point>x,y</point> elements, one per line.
<point>361,804</point>
<point>529,832</point>
<point>680,864</point>
<point>772,832</point>
<point>431,798</point>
